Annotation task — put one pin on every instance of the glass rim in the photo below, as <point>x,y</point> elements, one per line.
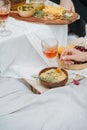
<point>47,39</point>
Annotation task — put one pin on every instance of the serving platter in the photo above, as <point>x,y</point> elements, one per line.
<point>57,21</point>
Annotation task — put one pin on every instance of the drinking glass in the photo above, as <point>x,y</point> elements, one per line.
<point>5,6</point>
<point>50,49</point>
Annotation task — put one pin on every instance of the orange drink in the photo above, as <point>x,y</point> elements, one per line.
<point>50,49</point>
<point>50,52</point>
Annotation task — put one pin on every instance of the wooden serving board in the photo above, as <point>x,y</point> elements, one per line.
<point>37,88</point>
<point>41,20</point>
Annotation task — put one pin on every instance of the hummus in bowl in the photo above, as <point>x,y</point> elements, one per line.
<point>53,77</point>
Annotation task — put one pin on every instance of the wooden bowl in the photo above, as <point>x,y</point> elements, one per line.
<point>25,13</point>
<point>53,84</point>
<point>72,66</point>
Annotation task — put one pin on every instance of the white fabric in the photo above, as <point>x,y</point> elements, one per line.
<point>19,51</point>
<point>57,109</point>
<point>41,30</point>
<point>61,108</point>
<point>19,56</point>
<point>34,32</point>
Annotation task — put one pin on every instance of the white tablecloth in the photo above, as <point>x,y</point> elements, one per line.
<point>41,31</point>
<point>22,32</point>
<point>57,109</point>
